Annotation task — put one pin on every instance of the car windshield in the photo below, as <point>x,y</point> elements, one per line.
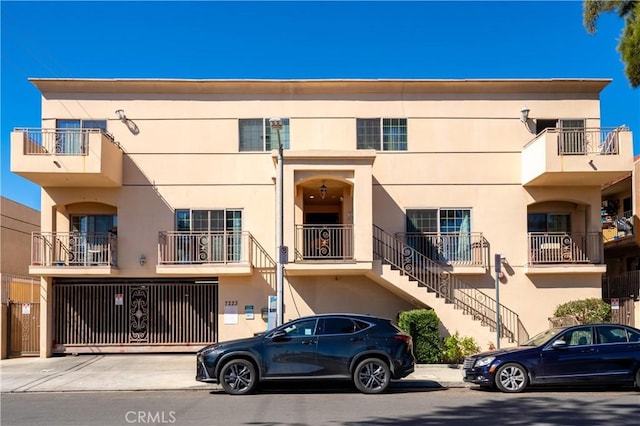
<point>542,338</point>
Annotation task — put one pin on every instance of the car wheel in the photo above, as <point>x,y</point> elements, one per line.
<point>511,378</point>
<point>238,377</point>
<point>372,376</point>
<point>638,380</point>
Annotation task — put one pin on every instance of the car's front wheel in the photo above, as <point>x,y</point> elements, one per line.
<point>238,377</point>
<point>512,378</point>
<point>372,376</point>
<point>638,380</point>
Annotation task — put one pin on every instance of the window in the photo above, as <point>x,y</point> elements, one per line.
<point>209,235</point>
<point>438,220</point>
<point>440,234</point>
<point>337,326</point>
<point>381,134</point>
<point>82,124</point>
<point>611,334</point>
<point>301,328</point>
<point>256,135</point>
<point>578,337</point>
<point>89,239</point>
<point>69,138</point>
<point>548,222</point>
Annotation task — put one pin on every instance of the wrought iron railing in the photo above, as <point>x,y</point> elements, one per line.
<point>585,141</point>
<point>262,262</point>
<point>324,242</point>
<point>200,247</point>
<point>450,248</point>
<point>73,249</point>
<point>58,141</point>
<point>435,278</point>
<point>560,247</point>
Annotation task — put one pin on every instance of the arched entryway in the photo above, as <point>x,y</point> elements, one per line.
<point>324,219</point>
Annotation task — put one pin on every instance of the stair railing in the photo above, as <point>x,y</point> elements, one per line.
<point>434,278</point>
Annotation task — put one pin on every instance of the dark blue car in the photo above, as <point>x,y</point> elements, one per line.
<point>366,350</point>
<point>581,354</point>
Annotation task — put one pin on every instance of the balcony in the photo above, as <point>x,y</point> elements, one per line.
<point>326,249</point>
<point>66,157</point>
<point>558,252</point>
<point>459,252</point>
<point>577,157</point>
<point>73,253</point>
<point>205,253</point>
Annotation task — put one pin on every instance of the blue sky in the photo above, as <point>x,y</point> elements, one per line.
<point>440,40</point>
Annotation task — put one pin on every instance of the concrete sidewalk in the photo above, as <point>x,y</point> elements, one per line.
<point>141,372</point>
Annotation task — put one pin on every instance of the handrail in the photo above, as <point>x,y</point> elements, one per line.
<point>73,249</point>
<point>64,141</point>
<point>431,275</point>
<point>202,247</point>
<point>263,262</point>
<point>583,141</point>
<point>450,248</point>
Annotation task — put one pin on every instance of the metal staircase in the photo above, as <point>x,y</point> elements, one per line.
<point>434,278</point>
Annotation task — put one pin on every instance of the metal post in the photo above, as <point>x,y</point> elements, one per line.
<point>276,124</point>
<point>497,267</point>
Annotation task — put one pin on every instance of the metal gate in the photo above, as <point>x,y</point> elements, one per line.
<point>134,316</point>
<point>24,328</point>
<point>624,313</point>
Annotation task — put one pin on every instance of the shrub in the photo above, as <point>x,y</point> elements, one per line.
<point>586,311</point>
<point>456,348</point>
<point>422,325</point>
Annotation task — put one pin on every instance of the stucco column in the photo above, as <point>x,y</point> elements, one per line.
<point>46,316</point>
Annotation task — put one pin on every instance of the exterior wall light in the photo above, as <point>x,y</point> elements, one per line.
<point>524,114</point>
<point>142,260</point>
<point>121,116</point>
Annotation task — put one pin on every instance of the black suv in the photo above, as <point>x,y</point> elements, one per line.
<point>367,350</point>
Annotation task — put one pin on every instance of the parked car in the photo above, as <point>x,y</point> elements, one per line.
<point>576,355</point>
<point>366,350</point>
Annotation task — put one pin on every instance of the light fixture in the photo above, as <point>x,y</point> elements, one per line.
<point>524,114</point>
<point>275,123</point>
<point>323,191</point>
<point>142,260</point>
<point>121,116</point>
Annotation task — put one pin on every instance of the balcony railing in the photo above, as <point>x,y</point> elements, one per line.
<point>57,141</point>
<point>324,242</point>
<point>599,141</point>
<point>73,249</point>
<point>193,247</point>
<point>560,247</point>
<point>450,248</point>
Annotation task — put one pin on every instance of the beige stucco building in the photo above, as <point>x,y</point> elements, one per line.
<point>160,201</point>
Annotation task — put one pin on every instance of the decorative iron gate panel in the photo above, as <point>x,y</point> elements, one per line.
<point>134,313</point>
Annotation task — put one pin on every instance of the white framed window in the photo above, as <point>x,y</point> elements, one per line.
<point>209,235</point>
<point>381,134</point>
<point>443,235</point>
<point>256,134</point>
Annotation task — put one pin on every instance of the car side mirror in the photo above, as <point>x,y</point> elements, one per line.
<point>559,344</point>
<point>278,335</point>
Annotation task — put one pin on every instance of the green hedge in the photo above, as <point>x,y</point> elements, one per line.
<point>586,311</point>
<point>422,325</point>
